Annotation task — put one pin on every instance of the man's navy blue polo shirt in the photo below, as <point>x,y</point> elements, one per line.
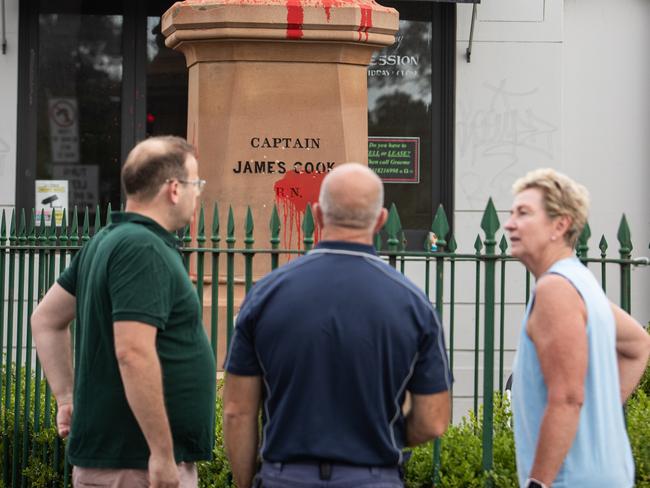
<point>338,336</point>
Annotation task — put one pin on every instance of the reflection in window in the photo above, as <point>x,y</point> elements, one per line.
<point>166,85</point>
<point>79,106</point>
<point>403,67</point>
<point>399,105</point>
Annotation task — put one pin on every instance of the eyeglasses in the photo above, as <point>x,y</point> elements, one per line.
<point>200,184</point>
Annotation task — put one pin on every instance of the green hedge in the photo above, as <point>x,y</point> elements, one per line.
<point>460,456</point>
<point>45,450</point>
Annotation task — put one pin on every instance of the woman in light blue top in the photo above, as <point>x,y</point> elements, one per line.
<point>579,356</point>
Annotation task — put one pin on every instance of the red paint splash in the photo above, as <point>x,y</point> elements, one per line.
<point>366,21</point>
<point>293,192</point>
<point>295,15</point>
<point>366,7</point>
<point>295,19</point>
<point>295,11</point>
<point>329,4</point>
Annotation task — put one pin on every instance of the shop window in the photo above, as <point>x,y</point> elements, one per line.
<point>104,80</point>
<point>410,116</point>
<point>79,105</point>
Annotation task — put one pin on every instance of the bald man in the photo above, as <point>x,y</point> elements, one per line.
<point>327,346</point>
<point>140,410</point>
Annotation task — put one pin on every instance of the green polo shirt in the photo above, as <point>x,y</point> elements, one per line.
<point>132,271</point>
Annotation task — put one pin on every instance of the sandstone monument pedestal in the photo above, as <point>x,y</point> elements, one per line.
<point>277,98</point>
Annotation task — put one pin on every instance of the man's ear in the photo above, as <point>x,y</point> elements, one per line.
<point>171,191</point>
<point>381,220</point>
<point>318,214</point>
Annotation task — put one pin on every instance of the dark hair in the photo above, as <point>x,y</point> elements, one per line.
<point>152,162</point>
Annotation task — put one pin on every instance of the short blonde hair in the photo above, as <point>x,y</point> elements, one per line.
<point>561,196</point>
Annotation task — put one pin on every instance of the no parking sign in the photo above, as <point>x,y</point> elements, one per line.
<point>64,130</point>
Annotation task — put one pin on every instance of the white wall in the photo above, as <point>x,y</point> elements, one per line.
<point>606,120</point>
<point>508,121</point>
<point>559,84</point>
<point>508,100</point>
<point>8,107</point>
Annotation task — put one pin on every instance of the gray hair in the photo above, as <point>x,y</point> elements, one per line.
<point>348,203</point>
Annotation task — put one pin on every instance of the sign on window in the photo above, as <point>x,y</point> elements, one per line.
<point>64,130</point>
<point>51,200</point>
<point>395,159</point>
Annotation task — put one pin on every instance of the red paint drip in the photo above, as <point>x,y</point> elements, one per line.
<point>366,21</point>
<point>295,19</point>
<point>293,192</point>
<point>328,4</point>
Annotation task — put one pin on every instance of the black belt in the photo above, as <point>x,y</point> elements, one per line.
<point>325,468</point>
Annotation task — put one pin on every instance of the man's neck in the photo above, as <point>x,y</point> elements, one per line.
<point>356,236</point>
<point>148,209</point>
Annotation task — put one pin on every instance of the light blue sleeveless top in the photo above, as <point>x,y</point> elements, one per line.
<point>600,455</point>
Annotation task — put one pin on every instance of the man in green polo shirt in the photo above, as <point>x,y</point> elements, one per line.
<point>139,407</point>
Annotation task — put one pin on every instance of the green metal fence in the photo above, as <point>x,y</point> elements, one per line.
<point>33,254</point>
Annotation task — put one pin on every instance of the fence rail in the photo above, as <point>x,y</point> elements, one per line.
<point>32,254</point>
